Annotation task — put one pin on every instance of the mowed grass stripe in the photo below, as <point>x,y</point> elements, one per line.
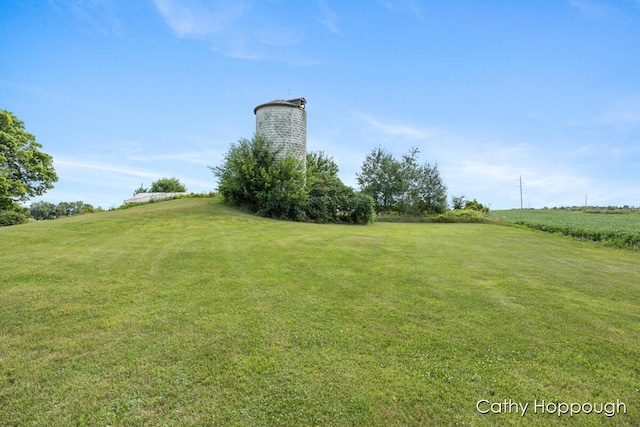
<point>188,312</point>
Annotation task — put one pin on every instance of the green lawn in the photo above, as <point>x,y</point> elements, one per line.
<point>187,312</point>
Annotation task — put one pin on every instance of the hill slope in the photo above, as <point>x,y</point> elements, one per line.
<point>187,312</point>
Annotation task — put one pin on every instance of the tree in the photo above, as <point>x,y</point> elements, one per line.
<point>458,202</point>
<point>402,186</point>
<point>320,166</point>
<point>140,189</point>
<point>427,192</point>
<point>381,179</point>
<point>255,177</point>
<point>42,210</point>
<point>25,171</point>
<point>167,185</point>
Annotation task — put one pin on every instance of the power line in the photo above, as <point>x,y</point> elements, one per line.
<point>520,191</point>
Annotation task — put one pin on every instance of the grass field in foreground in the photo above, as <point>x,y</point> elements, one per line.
<point>187,312</point>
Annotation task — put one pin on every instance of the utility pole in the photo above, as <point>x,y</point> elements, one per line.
<point>520,191</point>
<point>585,200</point>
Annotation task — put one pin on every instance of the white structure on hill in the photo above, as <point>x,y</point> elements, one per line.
<point>285,124</point>
<point>152,197</point>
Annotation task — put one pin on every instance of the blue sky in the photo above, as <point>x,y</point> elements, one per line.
<point>126,92</point>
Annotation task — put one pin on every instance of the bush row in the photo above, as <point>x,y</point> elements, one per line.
<point>619,239</point>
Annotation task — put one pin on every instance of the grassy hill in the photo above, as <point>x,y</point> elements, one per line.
<point>187,312</point>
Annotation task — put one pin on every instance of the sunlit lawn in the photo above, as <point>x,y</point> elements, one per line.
<point>190,313</point>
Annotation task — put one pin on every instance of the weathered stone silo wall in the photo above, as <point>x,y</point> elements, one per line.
<point>285,124</point>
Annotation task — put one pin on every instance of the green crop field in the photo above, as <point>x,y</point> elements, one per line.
<point>620,230</point>
<point>188,312</point>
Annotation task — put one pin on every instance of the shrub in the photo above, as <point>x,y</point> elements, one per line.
<point>476,206</point>
<point>12,218</point>
<point>330,200</point>
<point>462,215</point>
<point>361,209</point>
<point>255,177</point>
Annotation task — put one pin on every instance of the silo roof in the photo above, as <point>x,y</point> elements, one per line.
<point>296,102</point>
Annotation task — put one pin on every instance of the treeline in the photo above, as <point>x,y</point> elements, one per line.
<point>258,177</point>
<point>46,210</point>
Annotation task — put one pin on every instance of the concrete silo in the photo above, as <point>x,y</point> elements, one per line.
<point>285,124</point>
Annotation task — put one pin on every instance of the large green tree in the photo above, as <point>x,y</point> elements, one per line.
<point>402,186</point>
<point>25,171</point>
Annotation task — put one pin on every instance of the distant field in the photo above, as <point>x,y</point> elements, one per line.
<point>618,230</point>
<point>187,312</point>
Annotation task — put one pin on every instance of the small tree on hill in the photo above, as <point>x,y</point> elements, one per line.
<point>458,202</point>
<point>167,185</point>
<point>140,189</point>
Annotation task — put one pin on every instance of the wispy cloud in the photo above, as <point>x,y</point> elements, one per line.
<point>488,167</point>
<point>75,166</point>
<point>591,9</point>
<point>496,174</point>
<point>95,16</point>
<point>59,97</point>
<point>195,19</point>
<point>394,130</point>
<point>625,114</point>
<point>244,29</point>
<point>195,157</point>
<point>407,7</point>
<point>108,182</point>
<point>328,18</point>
